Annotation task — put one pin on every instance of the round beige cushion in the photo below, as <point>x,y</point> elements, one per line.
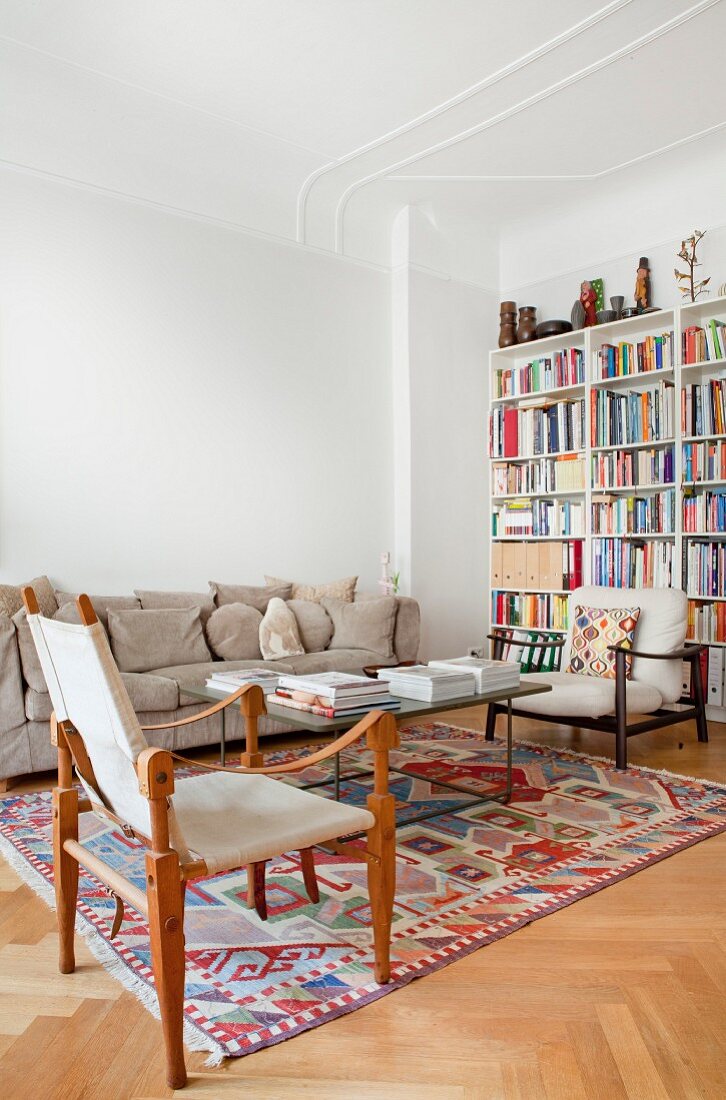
<point>314,624</point>
<point>233,632</point>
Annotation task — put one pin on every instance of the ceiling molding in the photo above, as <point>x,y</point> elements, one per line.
<point>158,95</point>
<point>192,215</point>
<point>495,120</point>
<point>697,136</point>
<point>435,112</point>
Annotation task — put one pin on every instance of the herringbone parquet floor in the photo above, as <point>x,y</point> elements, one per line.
<point>621,995</point>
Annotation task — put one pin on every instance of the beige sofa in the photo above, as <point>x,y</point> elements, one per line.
<point>25,705</point>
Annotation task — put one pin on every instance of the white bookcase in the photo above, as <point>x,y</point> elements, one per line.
<point>590,341</point>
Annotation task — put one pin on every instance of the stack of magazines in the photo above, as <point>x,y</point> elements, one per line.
<point>488,675</point>
<point>428,684</point>
<point>227,682</point>
<point>333,694</point>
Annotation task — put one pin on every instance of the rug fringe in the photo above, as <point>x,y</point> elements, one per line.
<point>107,957</point>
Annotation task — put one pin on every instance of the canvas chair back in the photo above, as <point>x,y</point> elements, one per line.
<point>86,689</point>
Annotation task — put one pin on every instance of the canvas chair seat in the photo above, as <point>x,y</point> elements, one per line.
<point>232,820</point>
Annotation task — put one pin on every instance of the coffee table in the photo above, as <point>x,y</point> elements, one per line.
<point>410,708</point>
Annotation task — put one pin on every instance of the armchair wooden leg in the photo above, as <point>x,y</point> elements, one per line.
<point>621,713</point>
<point>166,916</point>
<point>307,863</point>
<point>701,723</point>
<point>256,896</point>
<point>65,872</point>
<point>382,880</point>
<point>491,722</point>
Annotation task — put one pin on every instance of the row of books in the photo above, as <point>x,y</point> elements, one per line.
<point>622,563</point>
<point>655,514</point>
<point>545,610</point>
<point>623,469</point>
<point>704,461</point>
<point>701,345</point>
<point>620,360</point>
<point>552,566</point>
<point>705,512</point>
<point>637,416</point>
<point>562,368</point>
<point>713,676</point>
<point>539,517</point>
<point>706,621</point>
<point>530,658</point>
<point>703,408</point>
<point>333,694</point>
<point>563,474</point>
<point>539,430</point>
<point>457,678</point>
<point>704,567</point>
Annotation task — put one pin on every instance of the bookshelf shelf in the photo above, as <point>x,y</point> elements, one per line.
<point>535,458</point>
<point>522,626</point>
<point>657,487</point>
<point>536,538</point>
<point>540,396</point>
<point>635,446</point>
<point>544,495</point>
<point>707,599</point>
<point>713,438</point>
<point>642,376</point>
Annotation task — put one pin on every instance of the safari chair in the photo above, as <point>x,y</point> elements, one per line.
<point>206,824</point>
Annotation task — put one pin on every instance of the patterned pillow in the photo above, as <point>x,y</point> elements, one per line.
<point>343,589</point>
<point>596,628</point>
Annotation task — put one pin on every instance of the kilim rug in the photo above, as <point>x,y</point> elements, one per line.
<point>464,879</point>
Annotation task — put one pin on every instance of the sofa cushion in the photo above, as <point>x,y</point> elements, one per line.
<point>343,589</point>
<point>69,613</point>
<point>336,660</point>
<point>279,635</point>
<point>575,696</point>
<point>143,640</point>
<point>313,623</point>
<point>102,604</point>
<point>12,708</point>
<point>366,625</point>
<point>233,632</point>
<point>32,672</point>
<point>11,597</point>
<point>148,692</point>
<point>38,707</point>
<point>594,630</point>
<point>253,595</point>
<point>155,599</point>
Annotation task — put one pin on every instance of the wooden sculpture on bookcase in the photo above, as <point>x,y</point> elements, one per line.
<point>687,283</point>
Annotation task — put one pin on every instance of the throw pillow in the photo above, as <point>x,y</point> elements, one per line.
<point>337,590</point>
<point>233,632</point>
<point>145,640</point>
<point>366,625</point>
<point>314,624</point>
<point>11,597</point>
<point>69,613</point>
<point>253,595</point>
<point>593,630</point>
<point>154,600</point>
<point>102,604</point>
<point>279,635</point>
<point>29,662</point>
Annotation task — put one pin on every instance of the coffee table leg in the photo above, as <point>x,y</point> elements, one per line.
<point>337,776</point>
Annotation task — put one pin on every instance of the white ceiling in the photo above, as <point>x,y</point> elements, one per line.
<point>287,116</point>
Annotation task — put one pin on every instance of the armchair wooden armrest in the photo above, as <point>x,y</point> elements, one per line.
<point>556,643</point>
<point>251,704</point>
<point>687,653</point>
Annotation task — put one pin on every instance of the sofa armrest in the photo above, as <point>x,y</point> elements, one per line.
<point>407,632</point>
<point>12,692</point>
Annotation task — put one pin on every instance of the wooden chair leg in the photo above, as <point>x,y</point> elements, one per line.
<point>491,722</point>
<point>621,713</point>
<point>256,897</point>
<point>65,873</point>
<point>382,880</point>
<point>310,879</point>
<point>701,723</point>
<point>166,918</point>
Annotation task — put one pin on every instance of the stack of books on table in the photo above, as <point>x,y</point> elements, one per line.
<point>428,684</point>
<point>333,694</point>
<point>488,675</point>
<point>227,682</point>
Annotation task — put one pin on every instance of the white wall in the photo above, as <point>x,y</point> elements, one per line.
<point>180,402</point>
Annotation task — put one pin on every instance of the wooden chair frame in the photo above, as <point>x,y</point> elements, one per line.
<point>616,724</point>
<point>162,902</point>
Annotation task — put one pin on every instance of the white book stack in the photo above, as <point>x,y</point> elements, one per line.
<point>227,682</point>
<point>488,675</point>
<point>427,684</point>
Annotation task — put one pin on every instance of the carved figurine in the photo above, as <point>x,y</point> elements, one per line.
<point>642,284</point>
<point>588,297</point>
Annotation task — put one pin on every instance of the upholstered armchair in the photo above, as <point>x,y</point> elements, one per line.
<point>608,704</point>
<point>215,821</point>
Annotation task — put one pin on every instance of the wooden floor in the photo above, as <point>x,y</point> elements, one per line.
<point>622,994</point>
